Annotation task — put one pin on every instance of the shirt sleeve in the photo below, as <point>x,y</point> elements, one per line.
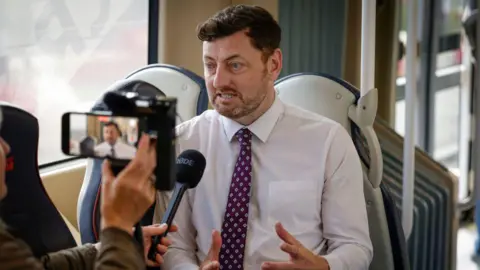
<point>344,214</point>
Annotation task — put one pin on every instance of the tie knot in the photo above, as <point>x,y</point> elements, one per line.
<point>244,136</point>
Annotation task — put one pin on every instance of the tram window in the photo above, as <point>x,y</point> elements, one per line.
<point>451,64</point>
<point>448,85</point>
<point>59,55</point>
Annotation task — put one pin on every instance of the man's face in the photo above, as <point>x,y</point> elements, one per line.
<point>237,77</point>
<point>4,151</point>
<point>110,134</point>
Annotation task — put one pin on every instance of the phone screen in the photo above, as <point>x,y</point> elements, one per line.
<point>100,136</point>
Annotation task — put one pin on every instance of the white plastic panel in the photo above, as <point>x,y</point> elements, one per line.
<point>175,84</point>
<point>318,94</point>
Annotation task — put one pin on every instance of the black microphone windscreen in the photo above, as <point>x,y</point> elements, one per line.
<point>190,167</point>
<point>118,101</point>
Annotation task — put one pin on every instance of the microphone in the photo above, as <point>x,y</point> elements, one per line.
<point>190,167</point>
<point>119,101</point>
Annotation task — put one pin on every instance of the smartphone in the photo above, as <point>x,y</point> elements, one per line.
<point>97,135</point>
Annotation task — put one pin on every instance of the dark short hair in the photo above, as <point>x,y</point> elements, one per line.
<point>263,30</point>
<point>113,123</point>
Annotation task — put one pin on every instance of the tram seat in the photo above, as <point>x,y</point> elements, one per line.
<point>341,102</point>
<point>192,100</point>
<point>27,209</point>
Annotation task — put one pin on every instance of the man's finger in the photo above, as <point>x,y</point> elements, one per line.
<point>143,146</point>
<point>151,157</point>
<point>285,235</point>
<point>280,266</point>
<point>157,263</point>
<point>159,259</point>
<point>293,250</point>
<point>165,241</point>
<point>154,230</point>
<point>107,172</point>
<point>107,180</point>
<point>173,228</point>
<point>162,249</point>
<point>215,247</point>
<point>152,264</point>
<point>163,226</point>
<point>213,265</point>
<point>141,164</point>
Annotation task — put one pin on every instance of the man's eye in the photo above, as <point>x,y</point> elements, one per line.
<point>210,65</point>
<point>236,65</point>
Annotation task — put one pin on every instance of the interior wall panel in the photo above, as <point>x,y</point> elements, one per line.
<point>313,35</point>
<point>178,41</point>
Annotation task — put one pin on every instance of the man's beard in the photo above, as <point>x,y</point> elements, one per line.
<point>247,105</point>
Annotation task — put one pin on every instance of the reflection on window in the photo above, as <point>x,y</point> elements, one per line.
<point>59,55</point>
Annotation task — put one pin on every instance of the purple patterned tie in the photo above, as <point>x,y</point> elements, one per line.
<point>234,229</point>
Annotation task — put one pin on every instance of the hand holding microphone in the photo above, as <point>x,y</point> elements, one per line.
<point>190,167</point>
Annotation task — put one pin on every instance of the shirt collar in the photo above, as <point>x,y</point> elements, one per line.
<point>262,127</point>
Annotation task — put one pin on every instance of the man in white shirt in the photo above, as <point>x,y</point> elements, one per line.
<point>295,199</point>
<point>113,145</point>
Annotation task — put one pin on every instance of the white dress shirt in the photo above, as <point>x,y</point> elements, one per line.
<point>122,150</point>
<point>306,174</point>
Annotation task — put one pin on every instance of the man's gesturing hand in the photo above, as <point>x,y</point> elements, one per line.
<point>300,257</point>
<point>211,261</point>
<point>126,197</point>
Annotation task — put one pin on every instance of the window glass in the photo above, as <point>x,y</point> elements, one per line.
<point>452,11</point>
<point>61,55</point>
<point>450,85</point>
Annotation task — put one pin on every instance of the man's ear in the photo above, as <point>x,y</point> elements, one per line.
<point>275,64</point>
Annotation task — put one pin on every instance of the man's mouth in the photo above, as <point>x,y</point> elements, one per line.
<point>226,95</point>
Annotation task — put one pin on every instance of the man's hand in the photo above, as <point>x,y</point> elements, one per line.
<point>211,261</point>
<point>300,257</point>
<point>148,233</point>
<point>125,198</point>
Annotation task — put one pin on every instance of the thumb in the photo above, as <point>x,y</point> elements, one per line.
<point>216,246</point>
<point>107,173</point>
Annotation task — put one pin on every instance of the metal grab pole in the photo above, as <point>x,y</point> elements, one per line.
<point>410,104</point>
<point>367,72</point>
<point>477,113</point>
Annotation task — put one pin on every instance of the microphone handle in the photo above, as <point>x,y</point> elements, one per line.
<point>168,217</point>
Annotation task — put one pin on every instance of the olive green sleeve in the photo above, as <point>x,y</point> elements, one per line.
<point>118,250</point>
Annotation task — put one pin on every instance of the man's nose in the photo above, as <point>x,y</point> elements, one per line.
<point>221,79</point>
